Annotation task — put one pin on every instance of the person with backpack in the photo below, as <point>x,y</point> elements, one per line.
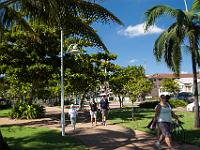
<point>104,106</point>
<point>93,112</point>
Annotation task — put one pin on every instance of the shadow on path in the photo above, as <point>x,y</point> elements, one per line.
<point>110,137</point>
<point>114,137</point>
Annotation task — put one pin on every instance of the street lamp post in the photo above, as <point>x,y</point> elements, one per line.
<point>107,91</point>
<point>74,50</point>
<point>62,89</point>
<point>186,7</point>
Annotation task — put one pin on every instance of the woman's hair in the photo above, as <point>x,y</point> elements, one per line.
<point>167,98</point>
<point>162,96</point>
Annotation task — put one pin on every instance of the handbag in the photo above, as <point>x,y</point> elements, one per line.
<point>152,124</point>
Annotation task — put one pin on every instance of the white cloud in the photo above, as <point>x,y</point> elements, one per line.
<point>138,30</point>
<point>132,60</point>
<point>184,72</point>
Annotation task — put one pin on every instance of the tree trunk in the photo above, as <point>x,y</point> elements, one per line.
<point>3,144</point>
<point>120,102</point>
<point>82,102</point>
<point>195,88</point>
<point>123,101</point>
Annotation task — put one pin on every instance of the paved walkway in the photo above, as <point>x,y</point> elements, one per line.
<point>114,137</point>
<point>110,137</point>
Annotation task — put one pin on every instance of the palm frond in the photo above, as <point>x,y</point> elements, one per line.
<point>159,45</point>
<point>193,35</point>
<point>177,54</point>
<point>7,3</point>
<point>10,17</point>
<point>157,11</point>
<point>196,16</point>
<point>64,14</point>
<point>168,47</point>
<point>195,5</point>
<point>78,28</point>
<point>95,11</point>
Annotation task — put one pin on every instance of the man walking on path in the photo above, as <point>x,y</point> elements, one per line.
<point>104,106</point>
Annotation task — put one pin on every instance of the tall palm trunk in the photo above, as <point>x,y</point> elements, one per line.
<point>195,87</point>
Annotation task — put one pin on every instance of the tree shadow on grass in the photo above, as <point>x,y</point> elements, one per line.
<point>35,139</point>
<point>50,120</point>
<point>192,137</point>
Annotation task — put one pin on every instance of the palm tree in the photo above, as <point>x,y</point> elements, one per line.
<point>69,16</point>
<point>168,46</point>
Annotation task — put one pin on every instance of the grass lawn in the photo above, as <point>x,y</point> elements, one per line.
<point>4,112</point>
<point>27,138</point>
<point>144,116</point>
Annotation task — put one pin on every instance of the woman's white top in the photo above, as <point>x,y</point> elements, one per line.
<point>165,114</point>
<point>72,112</point>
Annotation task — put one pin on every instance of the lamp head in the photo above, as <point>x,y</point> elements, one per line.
<point>74,49</point>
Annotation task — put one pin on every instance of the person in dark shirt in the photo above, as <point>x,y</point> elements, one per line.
<point>104,106</point>
<point>93,112</point>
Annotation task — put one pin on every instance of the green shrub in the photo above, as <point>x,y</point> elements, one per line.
<point>23,110</point>
<point>68,102</point>
<point>177,103</point>
<point>148,104</point>
<point>4,103</point>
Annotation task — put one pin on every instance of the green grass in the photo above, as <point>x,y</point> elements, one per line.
<point>27,138</point>
<point>4,112</point>
<point>144,116</point>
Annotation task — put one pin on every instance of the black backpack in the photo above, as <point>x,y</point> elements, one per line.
<point>93,106</point>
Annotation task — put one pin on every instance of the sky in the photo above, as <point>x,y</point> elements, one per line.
<point>129,42</point>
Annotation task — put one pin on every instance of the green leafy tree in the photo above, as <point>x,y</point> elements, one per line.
<point>87,74</point>
<point>70,16</point>
<point>130,81</point>
<point>169,44</point>
<point>28,62</point>
<point>137,84</point>
<point>118,79</point>
<point>170,85</point>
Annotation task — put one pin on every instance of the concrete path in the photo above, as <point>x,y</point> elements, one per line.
<point>110,137</point>
<point>113,137</point>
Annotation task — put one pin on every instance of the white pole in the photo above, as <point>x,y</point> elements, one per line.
<point>186,7</point>
<point>62,89</point>
<point>106,83</point>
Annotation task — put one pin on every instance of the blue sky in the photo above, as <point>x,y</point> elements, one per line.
<point>129,42</point>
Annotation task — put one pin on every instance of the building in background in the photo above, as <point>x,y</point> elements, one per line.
<point>185,82</point>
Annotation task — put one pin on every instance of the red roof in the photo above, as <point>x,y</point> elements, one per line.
<point>171,76</point>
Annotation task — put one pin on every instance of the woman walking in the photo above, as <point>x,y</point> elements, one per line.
<point>163,116</point>
<point>93,112</point>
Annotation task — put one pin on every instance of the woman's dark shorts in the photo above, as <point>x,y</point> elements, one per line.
<point>165,128</point>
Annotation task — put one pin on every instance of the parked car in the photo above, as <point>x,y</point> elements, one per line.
<point>191,107</point>
<point>187,96</point>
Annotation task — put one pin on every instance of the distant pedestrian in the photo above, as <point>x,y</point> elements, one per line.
<point>93,112</point>
<point>163,116</point>
<point>73,115</point>
<point>104,106</point>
